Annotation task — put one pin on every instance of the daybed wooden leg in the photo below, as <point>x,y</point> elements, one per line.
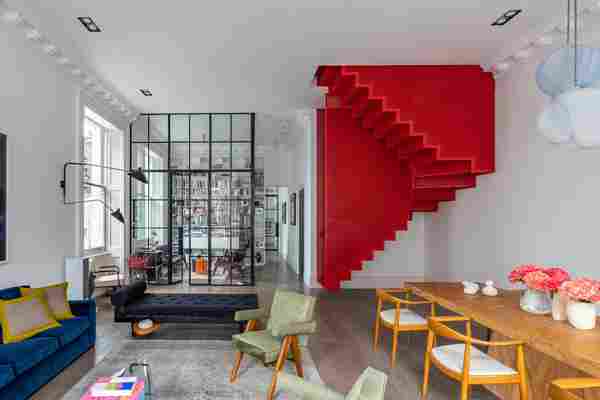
<point>236,367</point>
<point>283,353</point>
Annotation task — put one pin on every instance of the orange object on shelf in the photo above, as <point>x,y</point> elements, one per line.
<point>201,265</point>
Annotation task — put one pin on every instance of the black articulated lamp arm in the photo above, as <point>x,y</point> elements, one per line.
<point>137,174</point>
<point>134,173</point>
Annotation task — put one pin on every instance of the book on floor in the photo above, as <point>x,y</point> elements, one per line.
<point>114,387</point>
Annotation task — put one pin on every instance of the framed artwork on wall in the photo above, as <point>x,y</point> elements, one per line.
<point>284,213</point>
<point>293,209</point>
<point>3,190</point>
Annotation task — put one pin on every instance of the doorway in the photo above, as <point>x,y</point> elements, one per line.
<point>301,235</point>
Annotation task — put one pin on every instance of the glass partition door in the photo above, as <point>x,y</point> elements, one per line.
<point>199,202</point>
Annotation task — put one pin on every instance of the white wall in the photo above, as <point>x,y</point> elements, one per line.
<point>41,112</point>
<point>402,260</point>
<point>38,112</point>
<point>541,206</point>
<point>301,161</point>
<point>275,162</point>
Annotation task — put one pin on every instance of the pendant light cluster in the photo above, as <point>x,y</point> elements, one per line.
<point>571,78</point>
<point>86,79</point>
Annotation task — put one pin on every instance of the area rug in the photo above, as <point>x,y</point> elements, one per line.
<point>193,370</point>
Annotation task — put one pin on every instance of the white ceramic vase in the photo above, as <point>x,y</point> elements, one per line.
<point>536,302</point>
<point>581,315</point>
<point>559,307</point>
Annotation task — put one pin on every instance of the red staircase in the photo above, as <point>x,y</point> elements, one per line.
<point>404,138</point>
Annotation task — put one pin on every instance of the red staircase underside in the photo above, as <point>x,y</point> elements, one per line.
<point>394,140</point>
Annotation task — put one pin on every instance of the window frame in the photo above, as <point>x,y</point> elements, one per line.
<point>105,183</point>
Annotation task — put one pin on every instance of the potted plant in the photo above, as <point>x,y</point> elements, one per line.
<point>534,299</point>
<point>542,283</point>
<point>582,294</point>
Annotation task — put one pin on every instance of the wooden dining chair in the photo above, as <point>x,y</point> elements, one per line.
<point>467,364</point>
<point>560,388</point>
<point>400,318</point>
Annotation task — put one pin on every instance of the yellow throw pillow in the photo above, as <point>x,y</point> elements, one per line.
<point>56,297</point>
<point>24,317</point>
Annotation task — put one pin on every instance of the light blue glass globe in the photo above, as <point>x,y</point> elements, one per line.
<point>556,74</point>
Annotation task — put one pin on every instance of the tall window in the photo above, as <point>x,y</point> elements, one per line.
<point>151,213</point>
<point>102,145</point>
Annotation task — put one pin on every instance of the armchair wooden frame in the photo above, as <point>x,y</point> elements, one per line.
<point>437,327</point>
<point>560,388</point>
<point>386,296</point>
<point>290,342</point>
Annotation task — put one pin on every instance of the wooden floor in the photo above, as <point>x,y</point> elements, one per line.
<point>342,349</point>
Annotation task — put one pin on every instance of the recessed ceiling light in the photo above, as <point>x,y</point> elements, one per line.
<point>506,17</point>
<point>146,92</point>
<point>89,24</point>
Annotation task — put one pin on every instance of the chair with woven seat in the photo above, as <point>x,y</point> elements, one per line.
<point>291,316</point>
<point>369,386</point>
<point>104,272</point>
<point>467,364</point>
<point>560,389</point>
<point>400,318</point>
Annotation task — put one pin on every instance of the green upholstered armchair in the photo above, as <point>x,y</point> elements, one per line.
<point>369,386</point>
<point>291,315</point>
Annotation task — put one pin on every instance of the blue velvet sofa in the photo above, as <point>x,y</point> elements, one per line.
<point>28,365</point>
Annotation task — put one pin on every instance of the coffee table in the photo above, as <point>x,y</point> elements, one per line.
<point>130,371</point>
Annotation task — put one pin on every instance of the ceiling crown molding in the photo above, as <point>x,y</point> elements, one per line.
<point>78,73</point>
<point>553,34</point>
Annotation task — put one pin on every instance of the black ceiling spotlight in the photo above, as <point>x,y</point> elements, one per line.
<point>146,92</point>
<point>89,24</point>
<point>506,17</point>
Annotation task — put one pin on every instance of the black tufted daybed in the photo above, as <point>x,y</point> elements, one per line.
<point>132,303</point>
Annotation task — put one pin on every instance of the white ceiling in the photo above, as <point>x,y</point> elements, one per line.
<point>237,56</point>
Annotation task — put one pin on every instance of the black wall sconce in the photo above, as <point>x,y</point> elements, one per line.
<point>137,174</point>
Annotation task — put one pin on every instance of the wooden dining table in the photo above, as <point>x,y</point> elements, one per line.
<point>554,349</point>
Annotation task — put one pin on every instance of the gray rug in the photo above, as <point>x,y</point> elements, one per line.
<point>193,370</point>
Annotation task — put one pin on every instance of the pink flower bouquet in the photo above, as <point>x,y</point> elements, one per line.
<point>582,289</point>
<point>558,276</point>
<point>518,274</point>
<point>538,278</point>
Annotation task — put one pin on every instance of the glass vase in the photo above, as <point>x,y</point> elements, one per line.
<point>536,302</point>
<point>559,307</point>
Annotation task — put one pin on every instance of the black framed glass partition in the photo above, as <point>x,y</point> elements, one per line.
<point>199,205</point>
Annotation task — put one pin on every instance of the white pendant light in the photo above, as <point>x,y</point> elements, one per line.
<point>583,106</point>
<point>554,124</point>
<point>571,76</point>
<point>555,75</point>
